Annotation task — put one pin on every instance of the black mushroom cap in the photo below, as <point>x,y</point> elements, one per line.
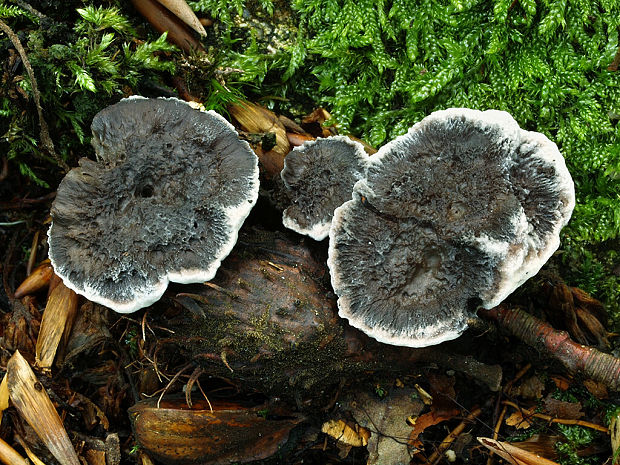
<point>319,176</point>
<point>164,202</point>
<point>461,210</point>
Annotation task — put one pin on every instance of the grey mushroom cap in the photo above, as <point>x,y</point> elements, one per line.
<point>461,210</point>
<point>164,202</point>
<point>319,176</point>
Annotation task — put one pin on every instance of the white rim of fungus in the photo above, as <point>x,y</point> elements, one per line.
<point>528,258</point>
<point>531,258</point>
<point>236,215</point>
<point>319,231</point>
<point>491,118</point>
<point>379,334</point>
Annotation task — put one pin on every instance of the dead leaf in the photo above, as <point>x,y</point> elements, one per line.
<point>350,434</point>
<point>521,418</point>
<point>37,280</point>
<point>29,397</point>
<point>614,431</point>
<point>388,418</point>
<point>514,455</point>
<point>175,434</point>
<point>597,389</point>
<point>565,410</point>
<point>531,388</point>
<point>427,420</point>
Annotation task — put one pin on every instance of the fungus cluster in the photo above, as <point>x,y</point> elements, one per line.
<point>163,202</point>
<point>458,212</point>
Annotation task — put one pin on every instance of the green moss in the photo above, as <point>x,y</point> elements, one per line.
<point>379,67</point>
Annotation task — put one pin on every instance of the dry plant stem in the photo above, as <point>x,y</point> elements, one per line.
<point>33,252</point>
<point>438,454</point>
<point>574,357</point>
<point>9,456</point>
<point>550,419</point>
<point>498,425</point>
<point>46,140</point>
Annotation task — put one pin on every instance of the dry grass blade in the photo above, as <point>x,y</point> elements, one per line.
<point>58,316</point>
<point>31,401</point>
<point>37,280</point>
<point>4,396</point>
<point>9,455</point>
<point>514,455</point>
<point>182,11</point>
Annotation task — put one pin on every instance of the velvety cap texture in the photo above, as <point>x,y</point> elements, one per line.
<point>459,211</point>
<point>319,177</point>
<point>163,202</point>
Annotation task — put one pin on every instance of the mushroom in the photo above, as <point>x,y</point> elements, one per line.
<point>319,176</point>
<point>163,202</point>
<point>459,211</point>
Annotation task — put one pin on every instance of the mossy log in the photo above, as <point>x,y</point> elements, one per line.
<point>269,319</point>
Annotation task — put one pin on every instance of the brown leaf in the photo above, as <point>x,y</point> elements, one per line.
<point>531,388</point>
<point>177,435</point>
<point>597,389</point>
<point>514,455</point>
<point>565,410</point>
<point>29,397</point>
<point>37,280</point>
<point>427,420</point>
<point>350,434</point>
<point>521,418</point>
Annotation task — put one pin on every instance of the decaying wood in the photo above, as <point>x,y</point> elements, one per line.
<point>270,320</point>
<point>576,358</point>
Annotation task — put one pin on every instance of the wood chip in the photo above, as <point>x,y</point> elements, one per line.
<point>57,319</point>
<point>32,402</point>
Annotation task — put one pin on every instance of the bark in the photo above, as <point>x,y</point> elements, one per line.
<point>269,319</point>
<point>576,358</point>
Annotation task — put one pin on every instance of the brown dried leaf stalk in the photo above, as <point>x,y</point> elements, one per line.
<point>576,358</point>
<point>57,319</point>
<point>33,404</point>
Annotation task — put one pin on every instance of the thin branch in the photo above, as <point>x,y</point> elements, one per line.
<point>46,140</point>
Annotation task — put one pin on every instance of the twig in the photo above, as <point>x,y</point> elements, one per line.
<point>46,140</point>
<point>550,419</point>
<point>437,455</point>
<point>574,357</point>
<point>498,425</point>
